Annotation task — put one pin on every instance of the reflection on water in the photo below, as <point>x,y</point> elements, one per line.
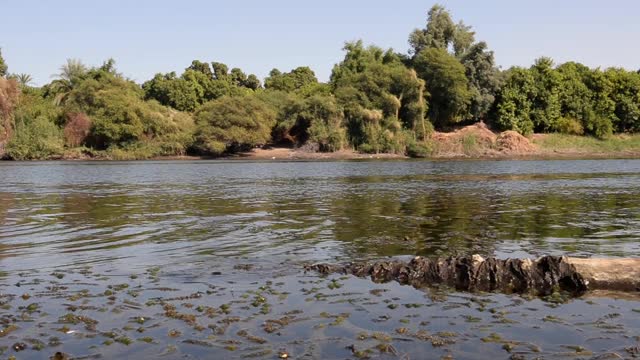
<point>203,259</point>
<point>154,213</point>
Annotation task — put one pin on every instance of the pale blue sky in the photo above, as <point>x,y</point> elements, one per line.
<point>150,36</point>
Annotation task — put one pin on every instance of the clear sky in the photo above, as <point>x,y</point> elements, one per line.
<point>150,36</point>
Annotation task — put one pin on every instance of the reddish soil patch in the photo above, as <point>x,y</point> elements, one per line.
<point>479,141</point>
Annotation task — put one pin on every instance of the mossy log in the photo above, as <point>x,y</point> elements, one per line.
<point>540,276</point>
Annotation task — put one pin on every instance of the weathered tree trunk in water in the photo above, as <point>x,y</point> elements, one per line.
<point>541,276</point>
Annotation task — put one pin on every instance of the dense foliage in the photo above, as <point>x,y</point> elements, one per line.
<point>377,100</point>
<point>238,122</point>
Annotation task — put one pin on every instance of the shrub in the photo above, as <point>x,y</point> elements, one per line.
<point>418,149</point>
<point>233,123</point>
<point>9,94</point>
<point>76,129</point>
<point>569,126</point>
<point>37,139</point>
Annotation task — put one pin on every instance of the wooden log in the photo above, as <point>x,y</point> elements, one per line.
<point>542,276</point>
<point>609,274</point>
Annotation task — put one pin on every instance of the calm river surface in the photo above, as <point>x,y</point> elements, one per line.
<point>204,259</point>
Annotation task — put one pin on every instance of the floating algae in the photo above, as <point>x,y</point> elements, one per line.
<point>195,322</point>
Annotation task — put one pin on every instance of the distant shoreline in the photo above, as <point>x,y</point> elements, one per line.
<point>288,154</point>
<point>474,142</point>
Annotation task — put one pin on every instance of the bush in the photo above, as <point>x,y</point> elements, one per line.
<point>76,129</point>
<point>329,137</point>
<point>9,94</point>
<point>214,147</point>
<point>568,126</point>
<point>326,121</point>
<point>233,123</point>
<point>418,149</point>
<point>37,139</point>
<point>598,125</point>
<point>120,117</point>
<point>367,149</point>
<point>137,151</point>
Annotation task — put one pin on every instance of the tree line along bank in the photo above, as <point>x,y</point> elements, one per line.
<point>377,101</point>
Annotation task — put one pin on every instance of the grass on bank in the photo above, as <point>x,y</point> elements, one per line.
<point>622,143</point>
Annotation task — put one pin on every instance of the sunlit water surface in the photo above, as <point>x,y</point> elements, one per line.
<point>204,259</point>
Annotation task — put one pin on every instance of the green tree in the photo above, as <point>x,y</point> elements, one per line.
<point>513,104</point>
<point>233,123</point>
<point>443,43</point>
<point>317,118</point>
<point>383,100</point>
<point>237,77</point>
<point>295,80</point>
<point>463,39</point>
<point>121,119</point>
<point>546,106</point>
<point>484,79</point>
<point>172,91</point>
<point>626,96</point>
<point>325,119</point>
<point>71,74</point>
<point>439,32</point>
<point>197,85</point>
<point>74,70</point>
<point>23,79</point>
<point>201,67</point>
<point>447,85</point>
<point>3,66</point>
<point>288,129</point>
<point>37,139</point>
<point>252,82</point>
<point>576,99</point>
<point>36,134</point>
<point>220,70</point>
<point>599,121</point>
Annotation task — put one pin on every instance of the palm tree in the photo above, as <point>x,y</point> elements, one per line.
<point>72,71</point>
<point>24,79</point>
<point>70,75</point>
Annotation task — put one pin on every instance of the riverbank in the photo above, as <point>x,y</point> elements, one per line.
<point>470,142</point>
<point>479,142</point>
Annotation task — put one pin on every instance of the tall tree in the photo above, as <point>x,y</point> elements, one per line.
<point>71,75</point>
<point>447,85</point>
<point>201,67</point>
<point>295,80</point>
<point>382,98</point>
<point>252,82</point>
<point>484,79</point>
<point>3,66</point>
<point>237,77</point>
<point>220,70</point>
<point>512,110</point>
<point>626,96</point>
<point>545,109</point>
<point>463,39</point>
<point>436,49</point>
<point>24,79</point>
<point>73,70</point>
<point>439,32</point>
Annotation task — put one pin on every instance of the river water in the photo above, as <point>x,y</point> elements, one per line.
<point>205,259</point>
